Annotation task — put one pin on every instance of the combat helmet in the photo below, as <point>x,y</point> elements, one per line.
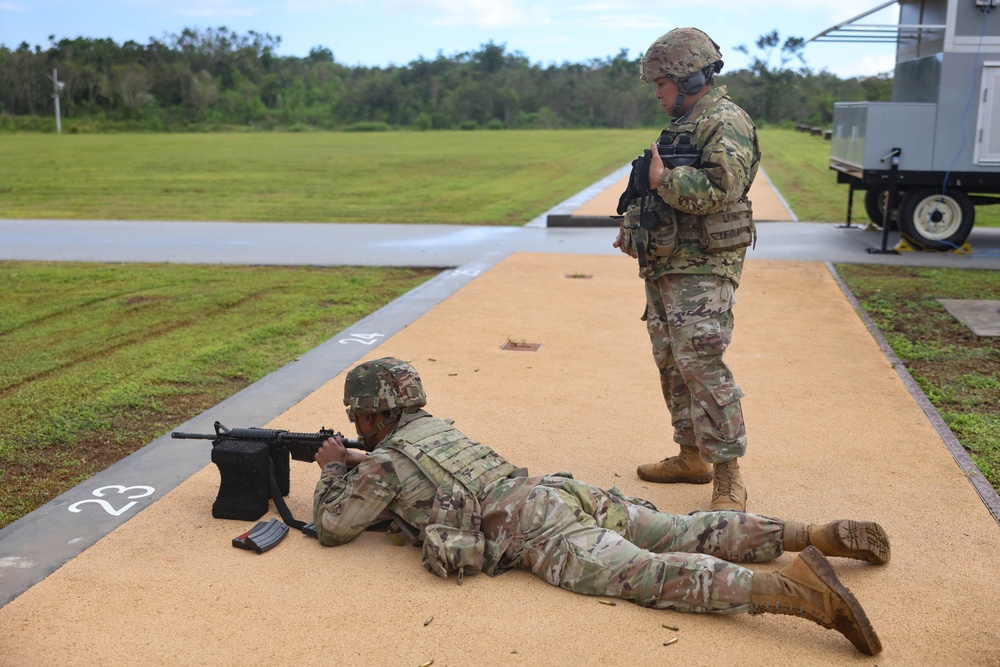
<point>387,385</point>
<point>686,56</point>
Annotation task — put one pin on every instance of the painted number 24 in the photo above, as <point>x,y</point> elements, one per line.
<point>364,339</point>
<point>119,489</point>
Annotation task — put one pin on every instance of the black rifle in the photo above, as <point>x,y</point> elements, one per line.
<point>254,466</point>
<point>638,188</point>
<point>302,446</point>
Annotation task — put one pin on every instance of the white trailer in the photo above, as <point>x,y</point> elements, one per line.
<point>934,150</point>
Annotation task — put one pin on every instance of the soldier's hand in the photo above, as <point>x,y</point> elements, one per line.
<point>619,241</point>
<point>656,168</point>
<point>330,451</point>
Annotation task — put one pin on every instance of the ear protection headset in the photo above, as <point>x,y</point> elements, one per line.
<point>697,81</point>
<point>693,84</point>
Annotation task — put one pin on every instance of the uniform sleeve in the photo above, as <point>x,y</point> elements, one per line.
<point>729,158</point>
<point>346,501</point>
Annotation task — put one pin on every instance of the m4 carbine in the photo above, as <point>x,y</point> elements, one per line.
<point>254,467</point>
<point>302,446</point>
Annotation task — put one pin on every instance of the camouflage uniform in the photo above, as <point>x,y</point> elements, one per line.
<point>571,534</point>
<point>473,510</point>
<point>690,291</point>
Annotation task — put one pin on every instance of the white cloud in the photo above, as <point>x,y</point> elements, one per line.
<point>12,7</point>
<point>480,13</point>
<point>309,6</point>
<point>204,9</point>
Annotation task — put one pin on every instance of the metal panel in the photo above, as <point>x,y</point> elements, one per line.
<point>865,132</point>
<point>899,125</point>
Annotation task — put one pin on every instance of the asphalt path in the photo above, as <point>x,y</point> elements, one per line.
<point>353,244</point>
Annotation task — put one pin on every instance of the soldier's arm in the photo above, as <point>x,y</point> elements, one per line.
<point>347,501</point>
<point>728,162</point>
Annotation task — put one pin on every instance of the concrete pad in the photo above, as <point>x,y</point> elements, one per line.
<point>981,316</point>
<point>834,433</point>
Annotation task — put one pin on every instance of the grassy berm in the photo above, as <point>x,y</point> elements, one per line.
<point>97,360</point>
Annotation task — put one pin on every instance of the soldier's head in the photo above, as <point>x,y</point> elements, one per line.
<point>682,64</point>
<point>377,393</point>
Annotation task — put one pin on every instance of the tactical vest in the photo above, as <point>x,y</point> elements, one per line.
<point>461,469</point>
<point>726,231</point>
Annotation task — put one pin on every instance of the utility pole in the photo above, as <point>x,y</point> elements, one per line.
<point>58,87</point>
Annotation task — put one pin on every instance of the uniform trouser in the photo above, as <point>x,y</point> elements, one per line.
<point>690,324</point>
<point>598,542</point>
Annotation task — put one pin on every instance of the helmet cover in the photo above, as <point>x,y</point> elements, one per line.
<point>383,385</point>
<point>679,54</point>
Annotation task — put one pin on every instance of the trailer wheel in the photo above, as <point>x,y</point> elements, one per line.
<point>875,200</point>
<point>936,221</point>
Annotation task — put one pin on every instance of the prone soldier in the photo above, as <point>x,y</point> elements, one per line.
<point>474,511</point>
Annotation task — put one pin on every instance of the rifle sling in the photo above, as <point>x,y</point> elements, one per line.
<point>279,503</point>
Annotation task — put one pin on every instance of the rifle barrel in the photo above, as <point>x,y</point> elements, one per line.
<point>194,436</point>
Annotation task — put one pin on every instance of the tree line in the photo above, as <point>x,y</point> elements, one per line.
<point>216,78</point>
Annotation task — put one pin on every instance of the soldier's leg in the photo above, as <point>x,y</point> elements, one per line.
<point>747,538</point>
<point>716,411</point>
<point>733,536</point>
<point>862,540</point>
<point>563,545</point>
<point>687,466</point>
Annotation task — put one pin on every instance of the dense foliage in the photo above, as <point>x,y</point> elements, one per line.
<point>209,79</point>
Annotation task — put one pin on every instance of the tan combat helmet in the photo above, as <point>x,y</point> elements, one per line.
<point>686,56</point>
<point>387,386</point>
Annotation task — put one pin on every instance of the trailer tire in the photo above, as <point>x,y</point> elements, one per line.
<point>875,199</point>
<point>933,220</point>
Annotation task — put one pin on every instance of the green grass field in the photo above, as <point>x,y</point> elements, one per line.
<point>460,177</point>
<point>97,360</point>
<point>798,165</point>
<point>483,178</point>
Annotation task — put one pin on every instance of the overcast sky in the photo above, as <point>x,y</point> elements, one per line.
<point>384,32</point>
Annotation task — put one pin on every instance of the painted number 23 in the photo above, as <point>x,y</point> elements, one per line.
<point>143,491</point>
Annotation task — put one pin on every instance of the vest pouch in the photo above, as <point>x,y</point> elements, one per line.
<point>630,229</point>
<point>450,550</point>
<point>662,238</point>
<point>730,230</point>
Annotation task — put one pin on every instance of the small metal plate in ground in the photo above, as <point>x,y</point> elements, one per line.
<point>520,346</point>
<point>982,316</point>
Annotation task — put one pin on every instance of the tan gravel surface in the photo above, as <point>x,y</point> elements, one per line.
<point>833,434</point>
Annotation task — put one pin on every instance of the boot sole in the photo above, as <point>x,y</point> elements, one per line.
<point>868,643</point>
<point>675,479</point>
<point>864,540</point>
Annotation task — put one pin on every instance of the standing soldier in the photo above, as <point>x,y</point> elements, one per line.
<point>688,220</point>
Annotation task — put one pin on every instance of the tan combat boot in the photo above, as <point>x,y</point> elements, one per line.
<point>863,540</point>
<point>729,493</point>
<point>687,467</point>
<point>808,587</point>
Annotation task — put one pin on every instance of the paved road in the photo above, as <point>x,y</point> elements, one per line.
<point>418,245</point>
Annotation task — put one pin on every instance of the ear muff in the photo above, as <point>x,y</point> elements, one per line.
<point>693,83</point>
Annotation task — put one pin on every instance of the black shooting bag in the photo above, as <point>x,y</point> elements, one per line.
<point>248,482</point>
